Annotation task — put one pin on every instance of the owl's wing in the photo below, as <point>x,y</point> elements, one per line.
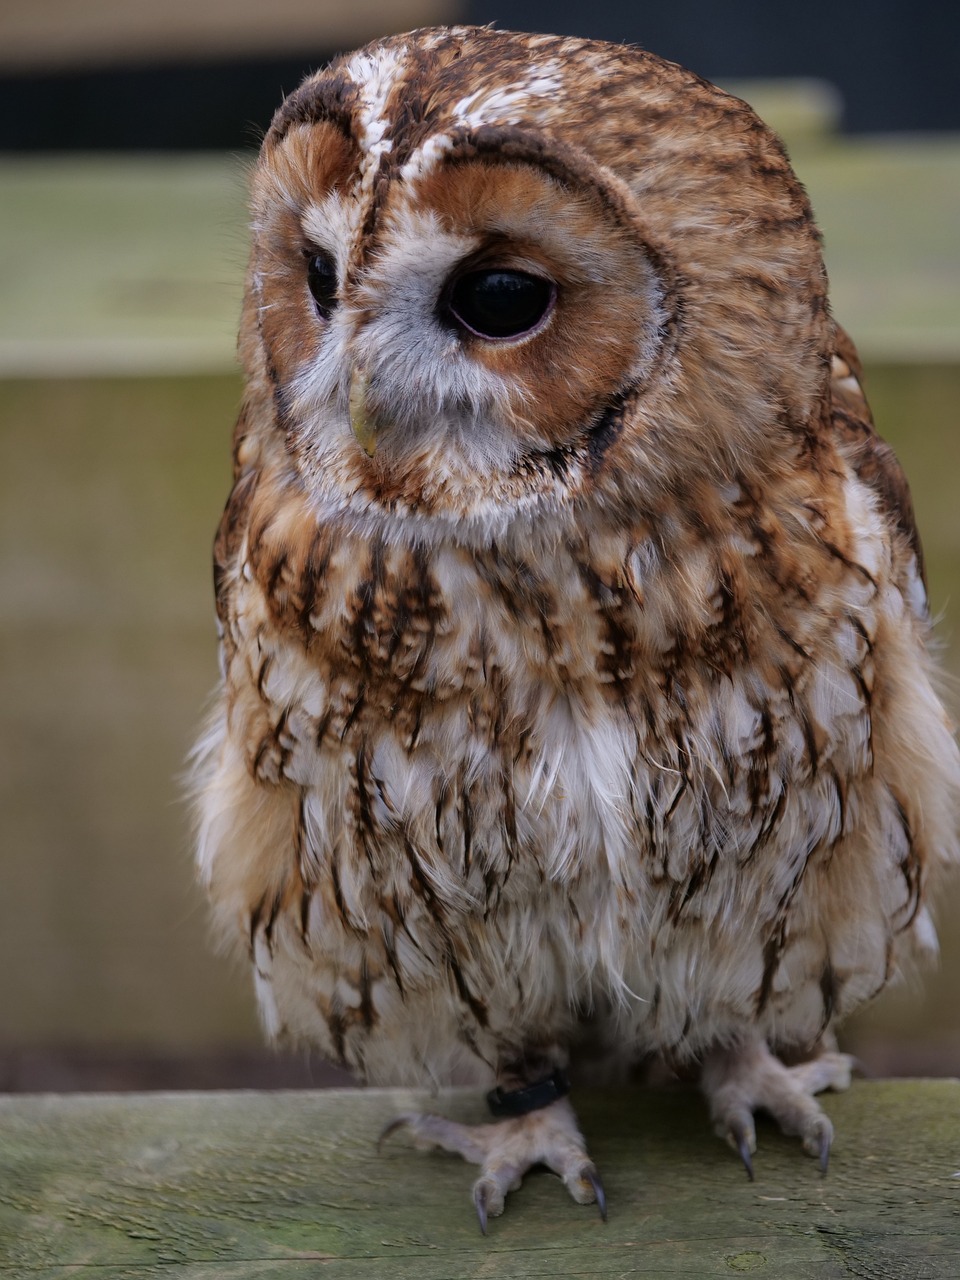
<point>871,457</point>
<point>233,522</point>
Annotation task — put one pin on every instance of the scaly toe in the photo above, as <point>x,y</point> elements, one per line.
<point>739,1081</point>
<point>507,1149</point>
<point>817,1139</point>
<point>488,1199</point>
<point>829,1071</point>
<point>472,1142</point>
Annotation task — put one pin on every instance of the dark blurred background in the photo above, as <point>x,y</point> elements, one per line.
<point>126,129</point>
<point>173,79</point>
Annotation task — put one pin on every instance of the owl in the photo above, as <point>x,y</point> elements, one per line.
<point>575,702</point>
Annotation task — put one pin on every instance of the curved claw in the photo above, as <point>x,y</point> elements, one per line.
<point>742,1143</point>
<point>593,1178</point>
<point>390,1129</point>
<point>480,1198</point>
<point>826,1139</point>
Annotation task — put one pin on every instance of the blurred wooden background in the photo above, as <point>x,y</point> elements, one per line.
<point>48,33</point>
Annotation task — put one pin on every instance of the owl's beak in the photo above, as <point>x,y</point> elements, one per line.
<point>362,421</point>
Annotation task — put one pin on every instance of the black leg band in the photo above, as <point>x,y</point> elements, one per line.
<point>519,1102</point>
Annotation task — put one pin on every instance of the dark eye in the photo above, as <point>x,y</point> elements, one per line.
<point>322,279</point>
<point>500,303</point>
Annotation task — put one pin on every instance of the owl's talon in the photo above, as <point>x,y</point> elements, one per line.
<point>749,1078</point>
<point>591,1176</point>
<point>507,1149</point>
<point>826,1141</point>
<point>480,1194</point>
<point>389,1130</point>
<point>743,1138</point>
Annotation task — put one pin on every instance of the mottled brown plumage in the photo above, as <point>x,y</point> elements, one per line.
<point>575,676</point>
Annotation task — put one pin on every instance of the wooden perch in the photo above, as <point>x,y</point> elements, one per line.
<point>290,1185</point>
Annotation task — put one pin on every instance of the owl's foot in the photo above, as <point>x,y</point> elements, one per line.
<point>506,1149</point>
<point>739,1081</point>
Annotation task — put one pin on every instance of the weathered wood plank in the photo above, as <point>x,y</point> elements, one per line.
<point>157,249</point>
<point>290,1185</point>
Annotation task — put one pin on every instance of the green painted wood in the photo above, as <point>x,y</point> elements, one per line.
<point>135,264</point>
<point>290,1185</point>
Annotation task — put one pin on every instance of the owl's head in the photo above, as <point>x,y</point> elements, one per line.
<point>497,273</point>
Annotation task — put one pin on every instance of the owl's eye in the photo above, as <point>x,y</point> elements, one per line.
<point>322,280</point>
<point>500,303</point>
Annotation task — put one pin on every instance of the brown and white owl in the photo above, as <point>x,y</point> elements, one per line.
<point>575,685</point>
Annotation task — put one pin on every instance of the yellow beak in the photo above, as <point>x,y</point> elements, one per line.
<point>364,424</point>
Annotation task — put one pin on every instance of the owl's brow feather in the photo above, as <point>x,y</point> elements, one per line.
<point>331,98</point>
